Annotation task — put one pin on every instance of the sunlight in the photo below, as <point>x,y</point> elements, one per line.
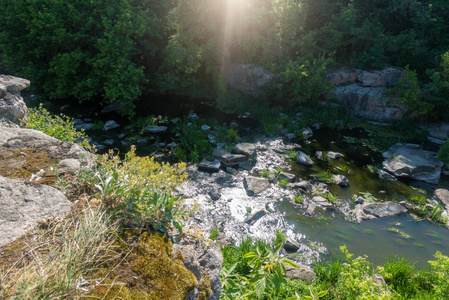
<point>231,9</point>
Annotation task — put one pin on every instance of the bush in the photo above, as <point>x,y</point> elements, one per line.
<point>137,190</point>
<point>84,49</point>
<point>443,153</point>
<point>57,126</point>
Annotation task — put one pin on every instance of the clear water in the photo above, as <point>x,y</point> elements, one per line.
<point>403,236</point>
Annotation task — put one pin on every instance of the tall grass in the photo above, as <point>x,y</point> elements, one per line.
<point>56,262</point>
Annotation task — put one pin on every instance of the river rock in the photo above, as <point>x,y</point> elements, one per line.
<point>288,176</point>
<point>304,159</point>
<point>211,166</point>
<point>303,273</point>
<point>204,262</point>
<point>255,216</point>
<point>111,124</point>
<point>307,133</point>
<point>214,194</point>
<point>311,208</point>
<point>12,106</point>
<point>247,78</point>
<point>320,200</point>
<point>370,103</point>
<point>334,155</point>
<point>156,129</point>
<point>370,211</point>
<point>443,196</point>
<point>85,126</point>
<point>406,160</point>
<point>247,149</point>
<point>438,132</point>
<point>228,158</point>
<point>385,175</point>
<point>255,185</point>
<point>24,203</point>
<point>303,185</point>
<point>341,180</point>
<point>290,246</point>
<point>246,165</point>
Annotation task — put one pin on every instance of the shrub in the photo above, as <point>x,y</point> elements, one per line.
<point>443,153</point>
<point>57,126</point>
<point>136,190</point>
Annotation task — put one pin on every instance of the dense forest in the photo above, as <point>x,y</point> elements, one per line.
<point>106,51</point>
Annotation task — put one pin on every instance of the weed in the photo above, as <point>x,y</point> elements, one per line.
<point>292,154</point>
<point>280,238</point>
<point>325,176</point>
<point>283,182</point>
<point>213,233</point>
<point>298,199</point>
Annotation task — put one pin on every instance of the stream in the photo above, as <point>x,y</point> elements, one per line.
<point>318,235</point>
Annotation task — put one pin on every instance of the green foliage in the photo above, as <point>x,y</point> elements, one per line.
<point>292,154</point>
<point>305,80</point>
<point>325,176</point>
<point>213,233</point>
<point>280,238</point>
<point>266,274</point>
<point>57,126</point>
<point>193,143</point>
<point>439,87</point>
<point>283,182</point>
<point>136,190</point>
<point>298,199</point>
<point>443,153</point>
<point>347,278</point>
<point>85,50</point>
<point>408,92</point>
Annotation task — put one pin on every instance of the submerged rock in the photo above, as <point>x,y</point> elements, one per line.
<point>255,185</point>
<point>320,200</point>
<point>255,216</point>
<point>443,196</point>
<point>370,211</point>
<point>341,180</point>
<point>111,124</point>
<point>23,204</point>
<point>407,160</point>
<point>156,129</point>
<point>304,159</point>
<point>307,133</point>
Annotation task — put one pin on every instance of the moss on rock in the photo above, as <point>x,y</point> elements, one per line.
<point>149,271</point>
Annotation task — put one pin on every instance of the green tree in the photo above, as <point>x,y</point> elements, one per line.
<point>88,50</point>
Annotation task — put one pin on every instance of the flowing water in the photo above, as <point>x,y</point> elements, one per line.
<point>405,236</point>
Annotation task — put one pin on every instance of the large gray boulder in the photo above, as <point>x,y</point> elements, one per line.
<point>24,203</point>
<point>370,103</point>
<point>247,78</point>
<point>304,159</point>
<point>27,147</point>
<point>343,76</point>
<point>12,106</point>
<point>438,132</point>
<point>204,262</point>
<point>381,78</point>
<point>408,161</point>
<point>369,211</point>
<point>255,185</point>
